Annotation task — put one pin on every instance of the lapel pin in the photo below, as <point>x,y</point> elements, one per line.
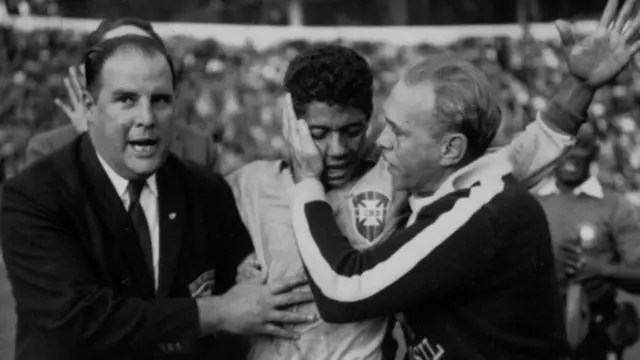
<point>172,216</point>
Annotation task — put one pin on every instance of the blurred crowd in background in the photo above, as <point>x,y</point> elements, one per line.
<point>231,93</point>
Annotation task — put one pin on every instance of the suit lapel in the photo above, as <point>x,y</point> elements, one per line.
<point>114,216</point>
<point>172,216</point>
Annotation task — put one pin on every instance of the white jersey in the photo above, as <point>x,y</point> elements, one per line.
<point>263,194</point>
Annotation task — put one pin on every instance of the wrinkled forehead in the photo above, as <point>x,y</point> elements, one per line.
<point>409,102</point>
<point>125,30</point>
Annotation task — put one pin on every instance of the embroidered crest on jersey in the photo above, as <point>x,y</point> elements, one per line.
<point>370,213</point>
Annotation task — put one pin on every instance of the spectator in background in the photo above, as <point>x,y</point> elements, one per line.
<point>189,143</point>
<point>596,236</point>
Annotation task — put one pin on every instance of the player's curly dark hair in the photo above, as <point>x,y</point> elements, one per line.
<point>330,74</point>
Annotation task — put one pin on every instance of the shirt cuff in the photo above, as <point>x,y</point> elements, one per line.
<point>564,138</point>
<point>309,190</point>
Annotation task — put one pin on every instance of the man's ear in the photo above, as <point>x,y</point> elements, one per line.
<point>89,105</point>
<point>453,149</point>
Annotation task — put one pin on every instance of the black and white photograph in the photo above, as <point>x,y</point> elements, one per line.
<point>320,179</point>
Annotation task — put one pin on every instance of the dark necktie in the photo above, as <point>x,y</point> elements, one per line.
<point>140,221</point>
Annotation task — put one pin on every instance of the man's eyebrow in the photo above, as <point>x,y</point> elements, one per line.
<point>320,127</point>
<point>343,127</point>
<point>352,125</point>
<point>162,93</point>
<point>117,92</point>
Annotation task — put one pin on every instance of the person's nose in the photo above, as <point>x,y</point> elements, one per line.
<point>336,147</point>
<point>385,141</point>
<point>145,115</point>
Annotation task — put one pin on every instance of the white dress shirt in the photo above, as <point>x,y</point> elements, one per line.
<point>149,202</point>
<point>591,187</point>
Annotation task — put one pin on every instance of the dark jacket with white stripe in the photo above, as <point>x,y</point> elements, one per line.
<point>474,275</point>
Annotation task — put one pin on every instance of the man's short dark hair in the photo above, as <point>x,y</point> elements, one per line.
<point>96,57</point>
<point>330,74</point>
<point>465,102</point>
<point>96,36</point>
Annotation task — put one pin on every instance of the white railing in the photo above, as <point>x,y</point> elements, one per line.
<point>262,36</point>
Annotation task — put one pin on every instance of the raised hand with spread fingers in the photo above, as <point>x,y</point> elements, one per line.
<point>74,83</point>
<point>600,56</point>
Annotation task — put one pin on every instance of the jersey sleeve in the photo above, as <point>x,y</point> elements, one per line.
<point>533,152</point>
<point>235,180</point>
<point>243,192</point>
<point>37,148</point>
<point>351,285</point>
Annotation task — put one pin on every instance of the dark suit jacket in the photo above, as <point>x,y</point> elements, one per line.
<point>78,272</point>
<point>188,143</point>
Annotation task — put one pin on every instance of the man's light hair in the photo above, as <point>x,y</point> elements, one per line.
<point>464,99</point>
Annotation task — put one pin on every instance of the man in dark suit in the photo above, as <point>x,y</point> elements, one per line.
<point>115,248</point>
<point>189,143</point>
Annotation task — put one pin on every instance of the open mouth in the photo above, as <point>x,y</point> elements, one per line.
<point>338,171</point>
<point>336,174</point>
<point>144,147</point>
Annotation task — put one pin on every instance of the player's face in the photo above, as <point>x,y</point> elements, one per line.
<point>573,168</point>
<point>340,135</point>
<point>130,117</point>
<point>409,146</point>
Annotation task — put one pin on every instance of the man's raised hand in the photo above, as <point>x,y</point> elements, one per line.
<point>74,83</point>
<point>306,160</point>
<point>602,55</point>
